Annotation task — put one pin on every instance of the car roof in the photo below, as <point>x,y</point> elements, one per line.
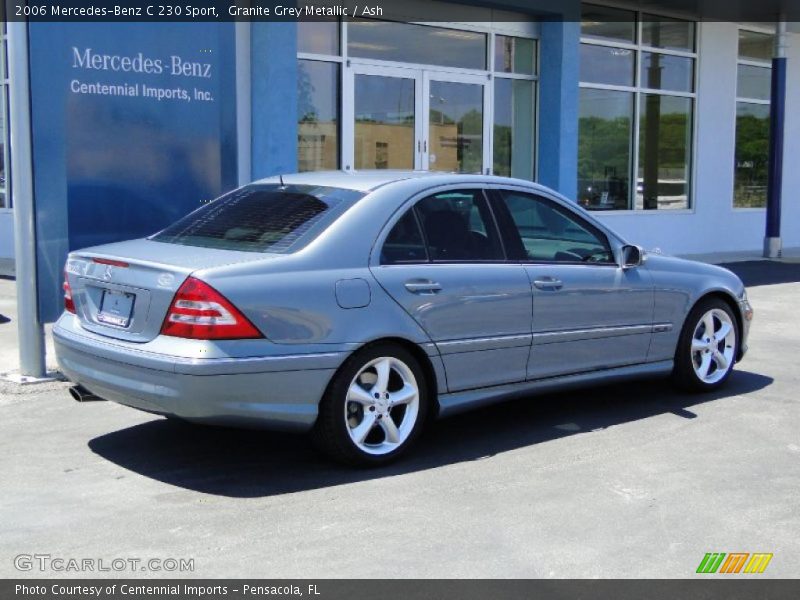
<point>369,180</point>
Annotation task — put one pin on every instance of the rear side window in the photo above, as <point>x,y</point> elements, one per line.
<point>404,244</point>
<point>261,218</point>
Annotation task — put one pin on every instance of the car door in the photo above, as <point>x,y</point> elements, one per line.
<point>588,312</point>
<point>442,260</point>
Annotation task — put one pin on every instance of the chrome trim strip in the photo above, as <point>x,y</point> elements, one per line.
<point>487,343</point>
<point>551,337</point>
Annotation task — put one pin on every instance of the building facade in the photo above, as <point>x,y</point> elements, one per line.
<point>656,122</point>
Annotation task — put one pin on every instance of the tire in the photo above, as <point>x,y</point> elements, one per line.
<point>702,363</point>
<point>356,428</point>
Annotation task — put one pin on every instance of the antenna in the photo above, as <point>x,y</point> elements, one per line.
<point>281,178</point>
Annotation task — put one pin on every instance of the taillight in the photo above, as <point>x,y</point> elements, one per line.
<point>69,305</point>
<point>200,312</point>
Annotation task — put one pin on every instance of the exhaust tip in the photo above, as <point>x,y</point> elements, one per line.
<point>81,394</point>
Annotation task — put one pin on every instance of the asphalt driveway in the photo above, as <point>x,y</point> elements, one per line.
<point>632,480</point>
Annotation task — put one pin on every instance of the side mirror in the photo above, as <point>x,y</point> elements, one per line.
<point>632,256</point>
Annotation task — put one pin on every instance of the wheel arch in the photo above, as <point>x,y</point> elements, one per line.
<point>425,362</point>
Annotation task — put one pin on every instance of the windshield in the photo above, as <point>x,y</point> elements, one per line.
<point>261,218</point>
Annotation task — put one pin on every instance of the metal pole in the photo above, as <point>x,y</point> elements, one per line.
<point>30,330</point>
<point>772,237</point>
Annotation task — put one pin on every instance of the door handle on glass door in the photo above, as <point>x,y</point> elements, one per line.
<point>422,286</point>
<point>548,283</point>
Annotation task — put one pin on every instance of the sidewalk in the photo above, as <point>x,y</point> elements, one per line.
<point>7,268</point>
<point>9,357</point>
<point>789,255</point>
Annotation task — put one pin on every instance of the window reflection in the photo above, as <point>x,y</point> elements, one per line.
<point>753,82</point>
<point>672,34</point>
<point>317,115</point>
<point>752,155</point>
<point>384,127</point>
<point>513,128</point>
<point>610,24</point>
<point>514,55</point>
<point>604,149</point>
<point>664,149</point>
<point>667,72</point>
<point>420,44</point>
<point>754,45</point>
<point>4,147</point>
<point>456,127</point>
<point>617,171</point>
<point>611,66</point>
<point>318,37</point>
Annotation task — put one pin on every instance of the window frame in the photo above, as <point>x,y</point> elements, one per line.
<point>764,64</point>
<point>639,91</point>
<point>508,227</point>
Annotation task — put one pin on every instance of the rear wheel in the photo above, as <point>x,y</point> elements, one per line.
<point>707,347</point>
<point>374,408</point>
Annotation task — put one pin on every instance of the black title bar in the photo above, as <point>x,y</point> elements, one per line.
<point>397,10</point>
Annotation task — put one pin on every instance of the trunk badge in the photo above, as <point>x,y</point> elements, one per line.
<point>108,272</point>
<point>166,279</point>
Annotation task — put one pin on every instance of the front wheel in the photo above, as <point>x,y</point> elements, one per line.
<point>374,408</point>
<point>707,347</point>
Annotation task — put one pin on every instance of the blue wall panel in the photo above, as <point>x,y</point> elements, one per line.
<point>133,127</point>
<point>558,106</point>
<point>273,83</point>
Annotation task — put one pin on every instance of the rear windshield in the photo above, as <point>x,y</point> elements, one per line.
<point>261,218</point>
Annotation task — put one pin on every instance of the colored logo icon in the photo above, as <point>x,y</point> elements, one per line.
<point>735,562</point>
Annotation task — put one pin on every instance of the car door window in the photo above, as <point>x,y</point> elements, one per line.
<point>404,244</point>
<point>551,233</point>
<point>458,226</point>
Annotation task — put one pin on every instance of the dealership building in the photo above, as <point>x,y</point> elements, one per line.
<point>657,121</point>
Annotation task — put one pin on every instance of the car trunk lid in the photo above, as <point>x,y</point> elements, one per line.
<point>124,290</point>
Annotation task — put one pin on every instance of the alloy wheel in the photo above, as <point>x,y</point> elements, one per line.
<point>382,405</point>
<point>713,346</point>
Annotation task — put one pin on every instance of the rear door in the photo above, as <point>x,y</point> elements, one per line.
<point>588,312</point>
<point>442,260</point>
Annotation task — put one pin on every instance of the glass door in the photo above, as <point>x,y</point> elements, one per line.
<point>456,123</point>
<point>386,105</point>
<point>410,118</point>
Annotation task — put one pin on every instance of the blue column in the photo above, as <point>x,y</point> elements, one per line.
<point>772,242</point>
<point>273,85</point>
<point>558,106</point>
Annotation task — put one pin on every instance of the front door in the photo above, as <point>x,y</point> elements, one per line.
<point>410,118</point>
<point>588,312</point>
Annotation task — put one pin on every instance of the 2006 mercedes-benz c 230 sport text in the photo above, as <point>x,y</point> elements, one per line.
<point>359,305</point>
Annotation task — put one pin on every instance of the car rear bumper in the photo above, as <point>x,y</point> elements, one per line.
<point>276,392</point>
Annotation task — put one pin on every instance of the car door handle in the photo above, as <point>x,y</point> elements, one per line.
<point>548,283</point>
<point>422,286</point>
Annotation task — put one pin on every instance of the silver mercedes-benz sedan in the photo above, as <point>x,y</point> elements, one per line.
<point>357,306</point>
